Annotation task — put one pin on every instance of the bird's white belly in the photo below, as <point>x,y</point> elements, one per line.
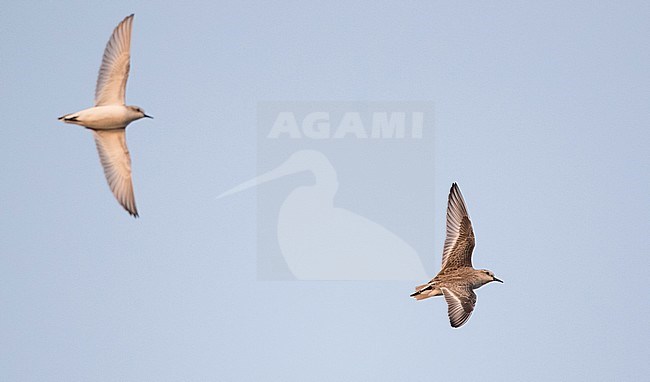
<point>104,117</point>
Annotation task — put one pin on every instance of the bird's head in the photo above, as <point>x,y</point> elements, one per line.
<point>487,276</point>
<point>139,112</point>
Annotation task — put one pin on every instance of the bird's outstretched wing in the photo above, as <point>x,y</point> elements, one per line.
<point>114,71</point>
<point>460,304</point>
<point>114,156</point>
<point>459,243</point>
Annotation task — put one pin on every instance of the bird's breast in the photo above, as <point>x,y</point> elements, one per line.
<point>105,117</point>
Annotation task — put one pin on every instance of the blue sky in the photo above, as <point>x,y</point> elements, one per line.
<point>541,115</point>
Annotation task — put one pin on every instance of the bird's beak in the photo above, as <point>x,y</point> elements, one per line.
<point>147,116</point>
<point>496,279</point>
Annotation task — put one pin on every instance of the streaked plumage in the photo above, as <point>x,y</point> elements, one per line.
<point>110,116</point>
<point>457,278</point>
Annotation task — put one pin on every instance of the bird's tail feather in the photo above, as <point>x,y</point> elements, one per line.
<point>419,287</point>
<point>421,292</point>
<point>69,117</point>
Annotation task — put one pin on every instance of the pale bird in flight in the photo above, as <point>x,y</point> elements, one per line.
<point>110,116</point>
<point>457,279</point>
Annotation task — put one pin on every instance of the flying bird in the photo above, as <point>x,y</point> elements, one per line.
<point>457,278</point>
<point>110,116</point>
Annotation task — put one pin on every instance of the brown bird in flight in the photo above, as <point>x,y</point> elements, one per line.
<point>457,278</point>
